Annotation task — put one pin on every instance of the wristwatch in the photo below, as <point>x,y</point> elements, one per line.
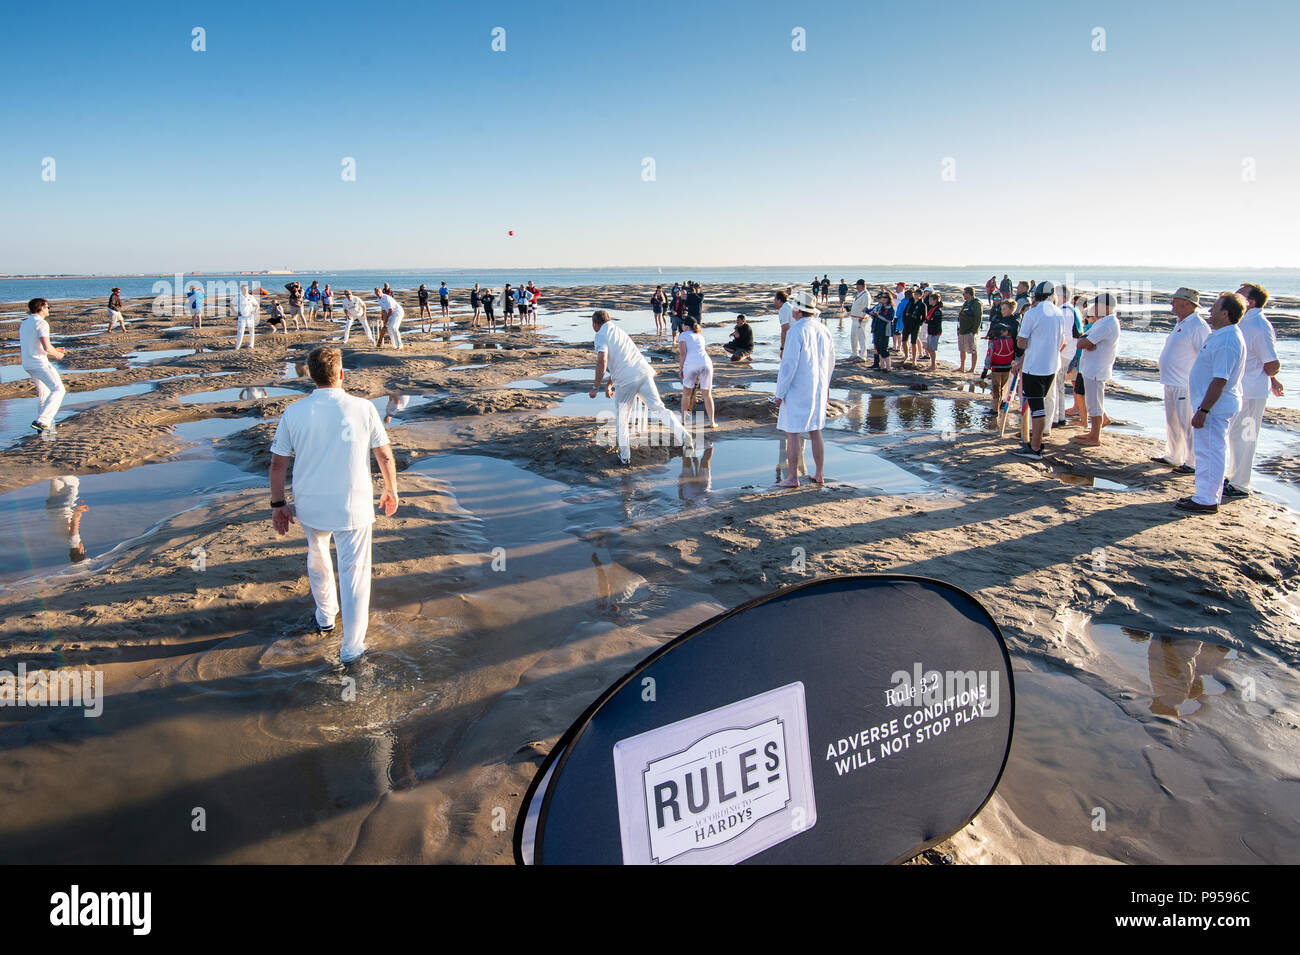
<point>275,504</point>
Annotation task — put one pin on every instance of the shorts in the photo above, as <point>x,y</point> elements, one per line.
<point>966,343</point>
<point>296,310</point>
<point>658,309</point>
<point>911,331</point>
<point>115,316</point>
<point>701,375</point>
<point>1096,398</point>
<point>932,343</point>
<point>1036,388</point>
<point>442,300</point>
<point>676,323</point>
<point>1079,388</point>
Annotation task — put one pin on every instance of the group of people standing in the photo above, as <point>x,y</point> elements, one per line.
<point>522,299</point>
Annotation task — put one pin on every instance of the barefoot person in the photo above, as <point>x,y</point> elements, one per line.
<point>803,386</point>
<point>1215,386</point>
<point>969,320</point>
<point>1259,380</point>
<point>247,307</point>
<point>35,352</point>
<point>115,309</point>
<point>1100,346</point>
<point>1041,337</point>
<point>355,310</point>
<point>696,368</point>
<point>1176,359</point>
<point>331,434</point>
<point>629,375</point>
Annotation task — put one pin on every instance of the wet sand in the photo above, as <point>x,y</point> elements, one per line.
<point>1155,653</point>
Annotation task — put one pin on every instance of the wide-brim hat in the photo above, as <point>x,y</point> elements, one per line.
<point>803,302</point>
<point>1188,295</point>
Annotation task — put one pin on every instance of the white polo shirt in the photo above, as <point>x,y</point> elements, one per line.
<point>30,333</point>
<point>389,304</point>
<point>1261,348</point>
<point>330,434</point>
<point>354,309</point>
<point>1222,356</point>
<point>861,305</point>
<point>248,307</point>
<point>623,360</point>
<point>1180,351</point>
<point>786,314</point>
<point>1100,361</point>
<point>1043,327</point>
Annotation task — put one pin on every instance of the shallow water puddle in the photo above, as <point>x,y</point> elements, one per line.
<point>35,530</point>
<point>213,429</point>
<point>1180,746</point>
<point>253,393</point>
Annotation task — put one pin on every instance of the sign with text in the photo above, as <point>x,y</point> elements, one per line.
<point>855,719</point>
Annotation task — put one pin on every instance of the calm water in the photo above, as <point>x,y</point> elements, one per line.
<point>1278,281</point>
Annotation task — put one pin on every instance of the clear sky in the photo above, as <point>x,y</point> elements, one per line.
<point>168,159</point>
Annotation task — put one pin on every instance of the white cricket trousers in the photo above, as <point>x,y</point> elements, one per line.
<point>49,391</point>
<point>353,548</point>
<point>1179,433</point>
<point>365,327</point>
<point>246,325</point>
<point>1242,438</point>
<point>395,332</point>
<point>1211,445</point>
<point>858,339</point>
<point>625,401</point>
<point>1059,385</point>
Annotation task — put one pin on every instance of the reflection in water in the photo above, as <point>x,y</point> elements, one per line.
<point>397,402</point>
<point>695,484</point>
<point>65,510</point>
<point>251,393</point>
<point>1178,670</point>
<point>781,465</point>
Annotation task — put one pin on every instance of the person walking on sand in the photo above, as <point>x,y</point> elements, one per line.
<point>969,320</point>
<point>657,306</point>
<point>629,375</point>
<point>1099,345</point>
<point>696,369</point>
<point>391,314</point>
<point>444,302</point>
<point>1182,346</point>
<point>803,387</point>
<point>486,298</point>
<point>859,321</point>
<point>330,435</point>
<point>35,352</point>
<point>355,310</point>
<point>327,304</point>
<point>1215,387</point>
<point>422,296</point>
<point>246,309</point>
<point>1041,339</point>
<point>1259,380</point>
<point>115,309</point>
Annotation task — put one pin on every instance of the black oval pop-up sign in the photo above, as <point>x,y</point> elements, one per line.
<point>856,719</point>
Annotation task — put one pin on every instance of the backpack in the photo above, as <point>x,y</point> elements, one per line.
<point>1002,352</point>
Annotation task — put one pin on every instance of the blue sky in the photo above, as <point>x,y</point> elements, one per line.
<point>168,159</point>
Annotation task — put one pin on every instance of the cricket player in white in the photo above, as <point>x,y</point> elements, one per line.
<point>331,434</point>
<point>1260,378</point>
<point>248,308</point>
<point>861,322</point>
<point>1215,385</point>
<point>629,375</point>
<point>390,317</point>
<point>35,352</point>
<point>1176,359</point>
<point>355,310</point>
